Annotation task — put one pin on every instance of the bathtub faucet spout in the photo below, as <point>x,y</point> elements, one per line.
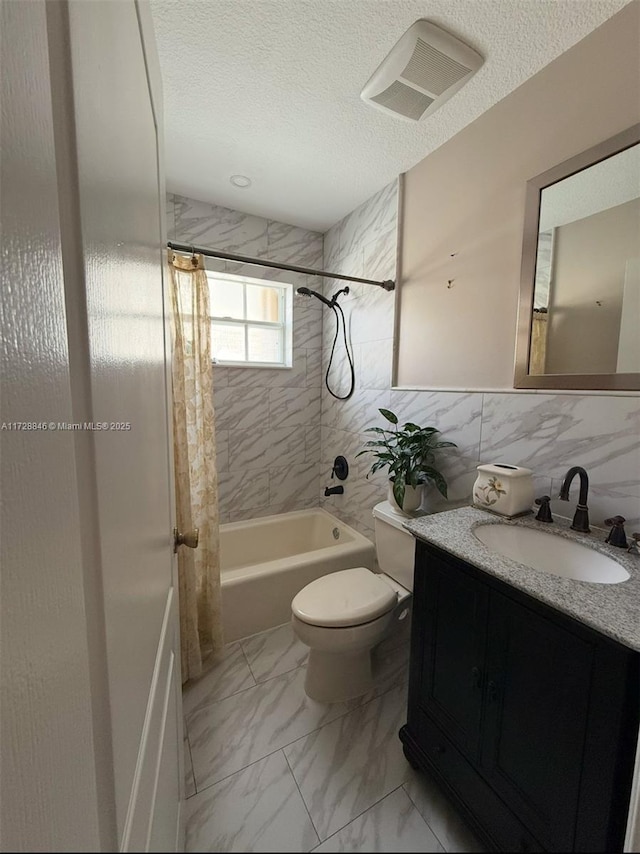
<point>334,490</point>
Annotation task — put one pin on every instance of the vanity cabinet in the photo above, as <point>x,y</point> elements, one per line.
<point>527,718</point>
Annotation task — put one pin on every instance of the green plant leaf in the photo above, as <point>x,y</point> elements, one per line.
<point>408,452</point>
<point>437,478</point>
<point>398,491</point>
<point>389,415</point>
<point>413,477</point>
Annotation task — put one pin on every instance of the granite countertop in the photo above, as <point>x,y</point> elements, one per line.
<point>612,609</point>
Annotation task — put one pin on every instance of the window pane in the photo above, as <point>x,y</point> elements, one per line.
<point>265,344</point>
<point>263,303</point>
<point>226,299</point>
<point>227,342</point>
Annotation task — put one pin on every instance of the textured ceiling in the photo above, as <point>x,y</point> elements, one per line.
<point>271,89</point>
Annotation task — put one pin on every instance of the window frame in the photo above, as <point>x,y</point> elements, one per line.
<point>285,324</point>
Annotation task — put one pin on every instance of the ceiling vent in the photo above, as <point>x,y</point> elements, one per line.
<point>425,68</point>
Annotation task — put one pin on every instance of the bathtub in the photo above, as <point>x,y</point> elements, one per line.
<point>265,562</point>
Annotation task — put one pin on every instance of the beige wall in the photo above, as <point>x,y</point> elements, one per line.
<point>464,206</point>
<point>585,308</point>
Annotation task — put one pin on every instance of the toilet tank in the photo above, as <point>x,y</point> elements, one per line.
<point>395,546</point>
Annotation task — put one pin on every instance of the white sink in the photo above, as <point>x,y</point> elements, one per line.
<point>550,553</point>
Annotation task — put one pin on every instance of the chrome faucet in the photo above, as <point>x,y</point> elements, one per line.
<point>581,516</point>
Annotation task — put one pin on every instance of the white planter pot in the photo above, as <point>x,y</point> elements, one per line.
<point>412,498</point>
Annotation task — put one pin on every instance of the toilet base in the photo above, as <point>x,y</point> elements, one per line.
<point>336,677</point>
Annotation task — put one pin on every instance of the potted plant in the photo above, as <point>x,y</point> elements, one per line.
<point>409,453</point>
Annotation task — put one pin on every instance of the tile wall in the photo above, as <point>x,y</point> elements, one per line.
<point>267,420</point>
<point>278,431</point>
<point>545,432</point>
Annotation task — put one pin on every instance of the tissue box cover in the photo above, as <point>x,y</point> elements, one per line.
<point>503,489</point>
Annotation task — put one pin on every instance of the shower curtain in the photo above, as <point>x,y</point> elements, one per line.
<point>194,452</point>
<point>538,352</point>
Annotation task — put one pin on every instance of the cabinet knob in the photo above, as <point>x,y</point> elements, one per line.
<point>476,678</point>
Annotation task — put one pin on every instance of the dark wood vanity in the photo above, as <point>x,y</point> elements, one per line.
<point>527,718</point>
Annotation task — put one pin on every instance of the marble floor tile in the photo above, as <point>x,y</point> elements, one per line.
<point>399,636</point>
<point>232,733</point>
<point>390,669</point>
<point>256,809</point>
<point>274,652</point>
<point>189,780</point>
<point>393,824</point>
<point>348,765</point>
<point>229,675</point>
<point>440,815</point>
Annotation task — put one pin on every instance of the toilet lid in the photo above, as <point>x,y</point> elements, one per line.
<point>346,598</point>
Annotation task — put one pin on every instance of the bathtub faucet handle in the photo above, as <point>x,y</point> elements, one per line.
<point>340,468</point>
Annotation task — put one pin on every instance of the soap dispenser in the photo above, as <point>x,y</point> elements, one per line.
<point>504,489</point>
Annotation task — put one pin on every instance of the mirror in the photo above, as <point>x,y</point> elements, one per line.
<point>579,312</point>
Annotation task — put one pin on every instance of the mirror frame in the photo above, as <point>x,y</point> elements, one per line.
<point>523,379</point>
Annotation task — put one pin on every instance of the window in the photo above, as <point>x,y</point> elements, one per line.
<point>251,321</point>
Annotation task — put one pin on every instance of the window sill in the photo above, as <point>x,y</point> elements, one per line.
<point>272,366</point>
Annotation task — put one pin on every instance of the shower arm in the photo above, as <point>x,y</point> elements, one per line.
<point>387,284</point>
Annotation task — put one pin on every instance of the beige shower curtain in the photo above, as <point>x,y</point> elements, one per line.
<point>194,451</point>
<point>538,351</point>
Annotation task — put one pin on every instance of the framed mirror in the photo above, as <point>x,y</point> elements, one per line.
<point>579,310</point>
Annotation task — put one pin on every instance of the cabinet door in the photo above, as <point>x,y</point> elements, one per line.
<point>537,701</point>
<point>453,608</point>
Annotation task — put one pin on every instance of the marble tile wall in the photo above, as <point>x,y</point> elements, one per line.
<point>362,244</point>
<point>283,429</point>
<point>546,432</point>
<point>267,420</point>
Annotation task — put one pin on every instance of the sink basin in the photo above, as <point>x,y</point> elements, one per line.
<point>552,554</point>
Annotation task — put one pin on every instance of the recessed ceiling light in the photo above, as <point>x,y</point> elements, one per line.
<point>240,181</point>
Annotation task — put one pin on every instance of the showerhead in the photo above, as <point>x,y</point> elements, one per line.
<point>307,292</point>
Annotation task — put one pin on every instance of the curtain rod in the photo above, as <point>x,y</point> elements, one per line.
<point>387,284</point>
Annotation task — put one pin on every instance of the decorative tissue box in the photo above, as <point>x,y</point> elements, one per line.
<point>503,489</point>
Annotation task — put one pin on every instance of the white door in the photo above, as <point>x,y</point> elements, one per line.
<point>91,702</point>
<point>121,196</point>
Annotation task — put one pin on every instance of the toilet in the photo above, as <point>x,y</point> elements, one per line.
<point>342,616</point>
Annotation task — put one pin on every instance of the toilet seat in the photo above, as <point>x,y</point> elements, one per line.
<point>350,597</point>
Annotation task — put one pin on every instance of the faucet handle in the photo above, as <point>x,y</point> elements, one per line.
<point>617,536</point>
<point>634,547</point>
<point>544,513</point>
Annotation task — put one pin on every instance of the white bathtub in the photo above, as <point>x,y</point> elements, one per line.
<point>265,562</point>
